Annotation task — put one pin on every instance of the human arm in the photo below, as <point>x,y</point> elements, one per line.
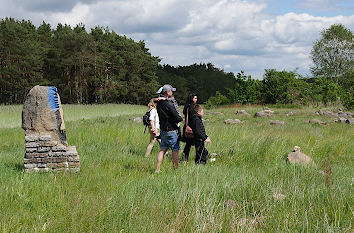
<point>174,112</point>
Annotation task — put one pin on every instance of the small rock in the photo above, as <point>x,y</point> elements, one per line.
<point>292,113</point>
<point>217,113</point>
<point>232,121</point>
<point>350,121</point>
<point>266,108</point>
<point>319,112</point>
<point>242,112</point>
<point>296,156</point>
<point>317,121</point>
<point>264,113</point>
<point>276,122</point>
<point>136,119</point>
<point>340,120</point>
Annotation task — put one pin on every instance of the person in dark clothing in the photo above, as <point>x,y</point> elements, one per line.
<point>169,118</point>
<point>200,136</point>
<point>188,108</point>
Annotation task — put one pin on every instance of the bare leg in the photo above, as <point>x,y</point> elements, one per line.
<point>160,158</point>
<point>175,159</point>
<point>151,144</point>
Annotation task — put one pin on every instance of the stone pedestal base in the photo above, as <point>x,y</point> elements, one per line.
<point>44,155</point>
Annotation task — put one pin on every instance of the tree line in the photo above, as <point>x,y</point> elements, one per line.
<point>102,66</point>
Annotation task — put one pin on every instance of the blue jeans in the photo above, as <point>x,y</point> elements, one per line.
<point>169,140</point>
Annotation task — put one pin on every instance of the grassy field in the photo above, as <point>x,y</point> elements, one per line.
<point>249,188</point>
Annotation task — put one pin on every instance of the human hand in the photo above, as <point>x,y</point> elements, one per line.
<point>160,98</point>
<point>208,140</point>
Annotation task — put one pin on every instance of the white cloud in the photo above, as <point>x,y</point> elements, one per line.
<point>233,34</point>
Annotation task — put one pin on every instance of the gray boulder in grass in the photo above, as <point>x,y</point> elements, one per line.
<point>136,119</point>
<point>317,121</point>
<point>264,113</point>
<point>242,112</point>
<point>350,121</point>
<point>296,156</point>
<point>232,121</point>
<point>340,120</point>
<point>276,122</point>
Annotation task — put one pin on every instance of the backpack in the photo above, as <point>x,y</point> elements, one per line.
<point>146,119</point>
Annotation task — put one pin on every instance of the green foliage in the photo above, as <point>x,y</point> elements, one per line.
<point>217,100</point>
<point>96,67</point>
<point>332,55</point>
<point>203,79</point>
<point>246,90</point>
<point>284,87</point>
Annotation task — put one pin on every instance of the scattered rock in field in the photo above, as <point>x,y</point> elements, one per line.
<point>319,112</point>
<point>232,121</point>
<point>341,114</point>
<point>296,156</point>
<point>349,114</point>
<point>266,108</point>
<point>136,119</point>
<point>217,113</point>
<point>213,155</point>
<point>330,114</point>
<point>264,113</point>
<point>350,121</point>
<point>276,122</point>
<point>292,113</point>
<point>340,120</point>
<point>242,112</point>
<point>317,121</point>
<point>278,196</point>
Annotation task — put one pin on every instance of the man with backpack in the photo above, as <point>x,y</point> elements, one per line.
<point>169,119</point>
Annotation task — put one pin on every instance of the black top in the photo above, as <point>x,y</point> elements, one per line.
<point>168,116</point>
<point>191,113</point>
<point>198,128</point>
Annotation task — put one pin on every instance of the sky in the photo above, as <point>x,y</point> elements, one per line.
<point>234,35</point>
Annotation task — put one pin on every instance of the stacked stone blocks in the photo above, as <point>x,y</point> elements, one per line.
<point>44,154</point>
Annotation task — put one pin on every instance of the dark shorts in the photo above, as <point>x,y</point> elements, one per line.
<point>169,140</point>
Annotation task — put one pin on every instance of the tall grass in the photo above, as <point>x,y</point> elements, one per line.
<point>250,187</point>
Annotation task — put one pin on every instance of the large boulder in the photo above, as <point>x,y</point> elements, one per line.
<point>45,133</point>
<point>296,156</point>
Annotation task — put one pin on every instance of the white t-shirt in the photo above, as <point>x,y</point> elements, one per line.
<point>155,118</point>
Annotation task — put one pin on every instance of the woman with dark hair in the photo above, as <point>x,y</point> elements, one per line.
<point>188,109</point>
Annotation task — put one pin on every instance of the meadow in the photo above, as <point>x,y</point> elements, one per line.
<point>249,188</point>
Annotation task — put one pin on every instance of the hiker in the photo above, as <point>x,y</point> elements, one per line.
<point>200,136</point>
<point>169,118</point>
<point>188,109</point>
<point>175,104</point>
<point>153,127</point>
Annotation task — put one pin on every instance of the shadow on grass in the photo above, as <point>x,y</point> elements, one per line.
<point>16,166</point>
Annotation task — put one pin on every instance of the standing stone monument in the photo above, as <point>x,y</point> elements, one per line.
<point>43,122</point>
